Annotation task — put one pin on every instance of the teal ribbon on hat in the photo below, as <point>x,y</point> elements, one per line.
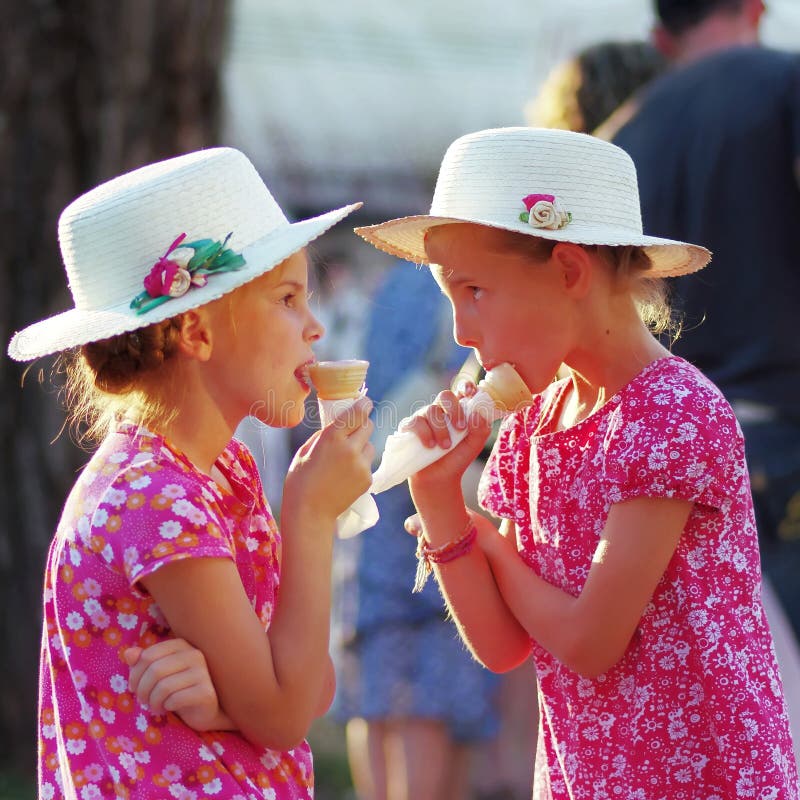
<point>210,258</point>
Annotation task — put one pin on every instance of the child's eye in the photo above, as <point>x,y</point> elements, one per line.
<point>476,292</point>
<point>288,299</point>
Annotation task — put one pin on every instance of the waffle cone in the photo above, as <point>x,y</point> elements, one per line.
<point>337,380</point>
<point>504,385</point>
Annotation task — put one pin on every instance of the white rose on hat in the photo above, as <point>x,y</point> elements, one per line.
<point>544,211</point>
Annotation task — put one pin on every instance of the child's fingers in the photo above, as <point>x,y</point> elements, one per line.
<point>438,417</point>
<point>186,697</point>
<point>158,662</point>
<point>361,435</point>
<point>353,418</point>
<point>465,388</point>
<point>413,525</point>
<point>191,686</point>
<point>131,657</point>
<point>420,426</point>
<point>308,445</point>
<point>453,409</point>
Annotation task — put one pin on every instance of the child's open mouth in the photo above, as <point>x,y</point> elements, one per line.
<point>301,373</point>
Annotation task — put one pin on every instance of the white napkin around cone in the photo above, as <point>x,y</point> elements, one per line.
<point>405,455</point>
<point>363,513</point>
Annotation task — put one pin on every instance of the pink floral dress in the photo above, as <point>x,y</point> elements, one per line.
<point>694,710</point>
<point>138,505</point>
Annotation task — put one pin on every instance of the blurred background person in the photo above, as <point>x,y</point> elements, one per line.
<point>582,92</point>
<point>716,143</point>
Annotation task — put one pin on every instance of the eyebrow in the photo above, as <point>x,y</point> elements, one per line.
<point>455,283</point>
<point>300,287</point>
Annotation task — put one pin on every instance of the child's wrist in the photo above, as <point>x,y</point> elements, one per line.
<point>429,554</point>
<point>442,500</point>
<point>305,518</point>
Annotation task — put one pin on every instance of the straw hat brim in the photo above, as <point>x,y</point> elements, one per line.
<point>404,237</point>
<point>80,326</point>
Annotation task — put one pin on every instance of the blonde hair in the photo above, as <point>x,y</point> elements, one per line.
<point>629,262</point>
<point>581,93</point>
<point>129,376</point>
<point>135,376</point>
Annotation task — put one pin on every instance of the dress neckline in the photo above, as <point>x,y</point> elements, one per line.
<point>553,397</point>
<point>239,498</point>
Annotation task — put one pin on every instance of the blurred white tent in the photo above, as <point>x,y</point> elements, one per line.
<point>357,99</point>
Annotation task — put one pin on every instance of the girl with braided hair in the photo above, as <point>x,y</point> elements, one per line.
<point>185,640</point>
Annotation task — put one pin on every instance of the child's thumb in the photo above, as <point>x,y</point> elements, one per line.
<point>414,525</point>
<point>476,437</point>
<point>131,655</point>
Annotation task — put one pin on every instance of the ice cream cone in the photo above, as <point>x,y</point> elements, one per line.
<point>504,385</point>
<point>338,380</point>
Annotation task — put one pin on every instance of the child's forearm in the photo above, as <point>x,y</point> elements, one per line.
<point>300,628</point>
<point>545,611</point>
<point>484,621</point>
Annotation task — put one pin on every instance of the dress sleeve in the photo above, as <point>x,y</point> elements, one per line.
<point>679,442</point>
<point>153,514</point>
<point>506,467</point>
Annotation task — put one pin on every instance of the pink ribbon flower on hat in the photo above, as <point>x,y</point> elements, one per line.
<point>544,211</point>
<point>181,268</point>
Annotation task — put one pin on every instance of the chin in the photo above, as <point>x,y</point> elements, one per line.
<point>284,414</point>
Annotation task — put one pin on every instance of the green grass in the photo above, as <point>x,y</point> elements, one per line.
<point>14,786</point>
<point>331,771</point>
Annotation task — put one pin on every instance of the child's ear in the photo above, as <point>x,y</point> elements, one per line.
<point>194,337</point>
<point>665,42</point>
<point>575,268</point>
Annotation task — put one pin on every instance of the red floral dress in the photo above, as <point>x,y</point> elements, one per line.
<point>694,710</point>
<point>138,505</point>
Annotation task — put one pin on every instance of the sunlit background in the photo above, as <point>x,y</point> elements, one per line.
<point>358,100</point>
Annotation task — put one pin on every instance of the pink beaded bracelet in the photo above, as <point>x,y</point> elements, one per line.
<point>427,555</point>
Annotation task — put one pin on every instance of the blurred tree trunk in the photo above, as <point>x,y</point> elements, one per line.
<point>88,89</point>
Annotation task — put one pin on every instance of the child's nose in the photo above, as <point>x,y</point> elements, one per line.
<point>462,333</point>
<point>314,329</point>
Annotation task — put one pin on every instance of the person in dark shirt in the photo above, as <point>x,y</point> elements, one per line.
<point>716,142</point>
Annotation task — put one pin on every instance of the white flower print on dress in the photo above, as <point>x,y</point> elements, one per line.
<point>141,483</point>
<point>92,606</point>
<point>127,621</point>
<point>75,746</point>
<point>74,621</point>
<point>116,497</point>
<point>170,529</point>
<point>174,491</point>
<point>183,508</point>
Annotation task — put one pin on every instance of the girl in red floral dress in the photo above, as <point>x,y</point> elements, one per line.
<point>626,562</point>
<point>185,642</point>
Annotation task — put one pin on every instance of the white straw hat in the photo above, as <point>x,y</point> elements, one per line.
<point>554,184</point>
<point>113,237</point>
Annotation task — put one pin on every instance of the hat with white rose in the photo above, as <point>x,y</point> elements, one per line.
<point>161,240</point>
<point>553,184</point>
